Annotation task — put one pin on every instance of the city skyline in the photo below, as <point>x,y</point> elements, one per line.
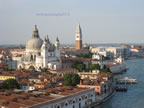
<point>101,22</point>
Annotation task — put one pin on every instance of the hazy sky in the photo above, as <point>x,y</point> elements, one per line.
<point>102,21</point>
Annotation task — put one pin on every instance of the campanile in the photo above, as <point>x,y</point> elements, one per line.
<point>78,37</point>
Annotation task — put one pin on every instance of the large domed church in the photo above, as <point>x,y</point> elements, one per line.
<point>40,53</point>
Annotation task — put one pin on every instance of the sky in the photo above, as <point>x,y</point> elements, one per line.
<point>102,21</point>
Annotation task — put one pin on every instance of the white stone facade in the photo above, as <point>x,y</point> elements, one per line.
<point>40,53</point>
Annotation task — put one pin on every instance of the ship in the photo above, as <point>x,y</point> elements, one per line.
<point>126,80</point>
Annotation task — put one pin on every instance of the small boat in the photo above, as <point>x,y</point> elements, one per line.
<point>126,80</point>
<point>121,89</point>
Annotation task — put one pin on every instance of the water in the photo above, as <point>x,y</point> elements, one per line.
<point>134,98</point>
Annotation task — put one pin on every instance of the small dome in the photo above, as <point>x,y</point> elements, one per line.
<point>34,44</point>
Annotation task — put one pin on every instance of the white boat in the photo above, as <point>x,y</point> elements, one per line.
<point>127,80</point>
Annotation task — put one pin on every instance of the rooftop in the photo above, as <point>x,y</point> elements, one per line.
<point>18,99</point>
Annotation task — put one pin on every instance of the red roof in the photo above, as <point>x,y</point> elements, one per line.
<point>65,69</point>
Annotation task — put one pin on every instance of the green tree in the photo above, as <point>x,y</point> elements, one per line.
<point>10,84</point>
<point>105,69</point>
<point>94,67</point>
<point>89,55</point>
<point>75,79</point>
<point>67,79</point>
<point>71,79</point>
<point>79,65</point>
<point>111,74</point>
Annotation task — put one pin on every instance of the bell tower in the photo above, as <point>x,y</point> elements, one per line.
<point>57,46</point>
<point>78,37</point>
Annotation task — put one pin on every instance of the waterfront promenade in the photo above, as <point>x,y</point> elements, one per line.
<point>134,98</point>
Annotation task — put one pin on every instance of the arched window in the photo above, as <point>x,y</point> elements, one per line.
<point>34,57</point>
<point>40,68</point>
<point>39,53</point>
<point>74,101</point>
<point>66,104</point>
<point>31,58</point>
<point>58,106</point>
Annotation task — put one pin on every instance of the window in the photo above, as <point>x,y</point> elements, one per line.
<point>39,53</point>
<point>58,106</point>
<point>31,57</point>
<point>73,101</point>
<point>66,104</point>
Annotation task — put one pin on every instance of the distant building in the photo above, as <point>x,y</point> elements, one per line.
<point>101,82</point>
<point>40,53</point>
<point>17,54</point>
<point>107,51</point>
<point>64,70</point>
<point>78,38</point>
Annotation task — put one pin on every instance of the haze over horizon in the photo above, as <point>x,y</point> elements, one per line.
<point>102,21</point>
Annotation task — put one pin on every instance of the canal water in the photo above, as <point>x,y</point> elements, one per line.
<point>134,97</point>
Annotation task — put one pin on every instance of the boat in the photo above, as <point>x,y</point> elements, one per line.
<point>121,89</point>
<point>126,80</point>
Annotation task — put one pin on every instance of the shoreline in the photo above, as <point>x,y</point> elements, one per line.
<point>104,100</point>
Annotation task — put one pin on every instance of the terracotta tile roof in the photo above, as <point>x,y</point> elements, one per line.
<point>66,69</point>
<point>18,50</point>
<point>43,83</point>
<point>16,100</point>
<point>15,105</point>
<point>95,60</point>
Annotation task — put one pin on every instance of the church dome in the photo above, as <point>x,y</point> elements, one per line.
<point>34,44</point>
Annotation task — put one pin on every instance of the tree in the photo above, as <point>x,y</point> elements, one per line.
<point>94,67</point>
<point>67,79</point>
<point>105,69</point>
<point>111,74</point>
<point>89,55</point>
<point>71,79</point>
<point>75,79</point>
<point>79,65</point>
<point>10,84</point>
